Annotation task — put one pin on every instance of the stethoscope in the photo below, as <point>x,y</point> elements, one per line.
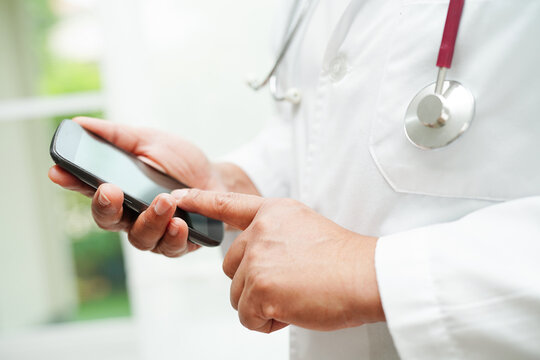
<point>438,115</point>
<point>292,95</point>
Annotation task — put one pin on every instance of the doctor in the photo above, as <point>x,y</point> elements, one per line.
<point>348,227</point>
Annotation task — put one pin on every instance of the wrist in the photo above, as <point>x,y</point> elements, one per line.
<point>228,177</point>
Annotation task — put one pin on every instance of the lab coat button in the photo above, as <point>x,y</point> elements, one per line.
<point>338,68</point>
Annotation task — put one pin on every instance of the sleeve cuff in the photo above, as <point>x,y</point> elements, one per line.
<point>409,297</point>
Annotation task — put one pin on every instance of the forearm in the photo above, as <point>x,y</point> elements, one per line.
<point>231,178</point>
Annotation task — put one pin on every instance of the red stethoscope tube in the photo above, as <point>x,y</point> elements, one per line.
<point>448,43</point>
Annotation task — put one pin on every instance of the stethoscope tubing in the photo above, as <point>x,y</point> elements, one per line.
<point>257,85</point>
<point>451,27</point>
<point>430,110</point>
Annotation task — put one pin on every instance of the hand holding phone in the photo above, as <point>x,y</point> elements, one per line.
<point>168,153</point>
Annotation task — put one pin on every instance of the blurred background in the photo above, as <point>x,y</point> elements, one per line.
<point>67,289</point>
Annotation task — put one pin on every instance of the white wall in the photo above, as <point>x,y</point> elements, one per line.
<point>180,65</point>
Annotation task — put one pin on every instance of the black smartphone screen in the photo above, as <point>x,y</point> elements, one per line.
<point>108,164</point>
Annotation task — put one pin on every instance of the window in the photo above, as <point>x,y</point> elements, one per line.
<point>177,65</point>
<point>56,265</point>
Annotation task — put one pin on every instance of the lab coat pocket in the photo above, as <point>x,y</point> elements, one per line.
<point>497,57</point>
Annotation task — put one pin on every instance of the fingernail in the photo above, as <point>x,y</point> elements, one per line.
<point>103,200</point>
<point>179,194</point>
<point>162,206</point>
<point>173,230</point>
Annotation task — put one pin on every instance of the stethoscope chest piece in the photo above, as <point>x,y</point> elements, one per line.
<point>434,120</point>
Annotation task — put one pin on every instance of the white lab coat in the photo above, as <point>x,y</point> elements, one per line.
<point>458,260</point>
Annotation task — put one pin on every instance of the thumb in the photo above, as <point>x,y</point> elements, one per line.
<point>125,137</point>
<point>237,210</point>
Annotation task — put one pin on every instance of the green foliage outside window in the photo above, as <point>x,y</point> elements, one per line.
<point>98,259</point>
<point>100,276</point>
<point>57,75</point>
<point>64,76</point>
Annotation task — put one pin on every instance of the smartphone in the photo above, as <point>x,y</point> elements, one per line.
<point>95,161</point>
